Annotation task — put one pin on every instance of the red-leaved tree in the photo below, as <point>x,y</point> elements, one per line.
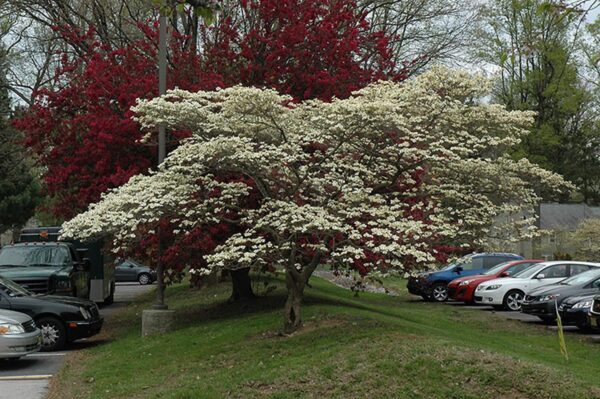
<point>304,48</point>
<point>82,129</point>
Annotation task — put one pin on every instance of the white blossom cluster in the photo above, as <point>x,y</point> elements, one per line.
<point>377,179</point>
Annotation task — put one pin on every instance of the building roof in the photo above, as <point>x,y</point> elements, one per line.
<point>565,217</point>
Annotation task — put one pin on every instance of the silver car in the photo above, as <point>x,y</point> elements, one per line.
<point>19,335</point>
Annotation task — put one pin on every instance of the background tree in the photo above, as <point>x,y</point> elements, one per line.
<point>19,188</point>
<point>376,182</point>
<point>534,46</point>
<point>423,32</point>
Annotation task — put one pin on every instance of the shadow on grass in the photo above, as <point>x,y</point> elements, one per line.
<point>274,302</point>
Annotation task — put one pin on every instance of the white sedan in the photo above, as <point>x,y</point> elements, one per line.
<point>508,292</point>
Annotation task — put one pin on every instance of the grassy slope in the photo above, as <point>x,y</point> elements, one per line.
<point>371,346</point>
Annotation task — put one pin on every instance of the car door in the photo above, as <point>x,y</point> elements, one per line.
<point>132,272</point>
<point>121,271</point>
<point>549,275</point>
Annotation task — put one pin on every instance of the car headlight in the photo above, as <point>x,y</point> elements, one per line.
<point>582,304</point>
<point>493,287</point>
<point>547,298</point>
<point>466,282</point>
<point>84,312</point>
<point>11,329</point>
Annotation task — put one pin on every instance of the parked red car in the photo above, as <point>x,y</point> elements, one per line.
<point>463,288</point>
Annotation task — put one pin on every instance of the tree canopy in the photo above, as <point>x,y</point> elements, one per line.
<point>383,180</point>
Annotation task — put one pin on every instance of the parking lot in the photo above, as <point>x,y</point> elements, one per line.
<point>29,376</point>
<point>529,319</point>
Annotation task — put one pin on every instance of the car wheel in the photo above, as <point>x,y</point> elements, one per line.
<point>512,300</point>
<point>54,334</point>
<point>439,292</point>
<point>144,279</point>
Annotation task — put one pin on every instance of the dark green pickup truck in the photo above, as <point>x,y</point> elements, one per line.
<point>46,265</point>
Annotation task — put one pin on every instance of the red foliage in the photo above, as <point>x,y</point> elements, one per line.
<point>83,132</point>
<point>304,48</point>
<point>82,129</point>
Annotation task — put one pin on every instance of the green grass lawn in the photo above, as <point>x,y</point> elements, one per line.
<point>371,346</point>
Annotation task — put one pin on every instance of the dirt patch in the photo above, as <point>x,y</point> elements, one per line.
<point>354,284</point>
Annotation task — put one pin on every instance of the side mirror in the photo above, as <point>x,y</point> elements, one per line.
<point>540,276</point>
<point>458,269</point>
<point>504,274</point>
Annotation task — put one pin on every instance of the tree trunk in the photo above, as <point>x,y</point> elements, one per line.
<point>241,284</point>
<point>292,320</point>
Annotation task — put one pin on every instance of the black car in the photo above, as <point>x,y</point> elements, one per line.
<point>61,319</point>
<point>594,313</point>
<point>130,270</point>
<point>541,301</point>
<point>575,309</point>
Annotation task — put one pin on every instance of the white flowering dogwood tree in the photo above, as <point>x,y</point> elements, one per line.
<point>377,182</point>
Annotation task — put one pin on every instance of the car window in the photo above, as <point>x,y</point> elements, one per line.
<point>518,268</point>
<point>555,271</point>
<point>596,284</point>
<point>491,261</point>
<point>473,264</point>
<point>576,269</point>
<point>530,271</point>
<point>57,256</point>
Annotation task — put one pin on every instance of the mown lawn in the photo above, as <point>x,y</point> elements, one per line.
<point>372,346</point>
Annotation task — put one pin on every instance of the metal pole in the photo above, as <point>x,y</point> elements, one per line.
<point>162,139</point>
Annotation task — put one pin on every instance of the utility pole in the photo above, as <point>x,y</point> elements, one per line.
<point>159,319</point>
<point>162,144</point>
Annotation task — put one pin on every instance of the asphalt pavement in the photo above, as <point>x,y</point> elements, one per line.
<point>28,378</point>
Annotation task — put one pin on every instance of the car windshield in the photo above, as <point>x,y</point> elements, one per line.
<point>582,278</point>
<point>496,269</point>
<point>529,271</point>
<point>34,255</point>
<point>13,289</point>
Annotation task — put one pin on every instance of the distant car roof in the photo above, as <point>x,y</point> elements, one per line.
<point>477,254</point>
<point>37,243</point>
<point>570,262</point>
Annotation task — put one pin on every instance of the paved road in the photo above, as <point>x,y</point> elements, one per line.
<point>530,319</point>
<point>28,378</point>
